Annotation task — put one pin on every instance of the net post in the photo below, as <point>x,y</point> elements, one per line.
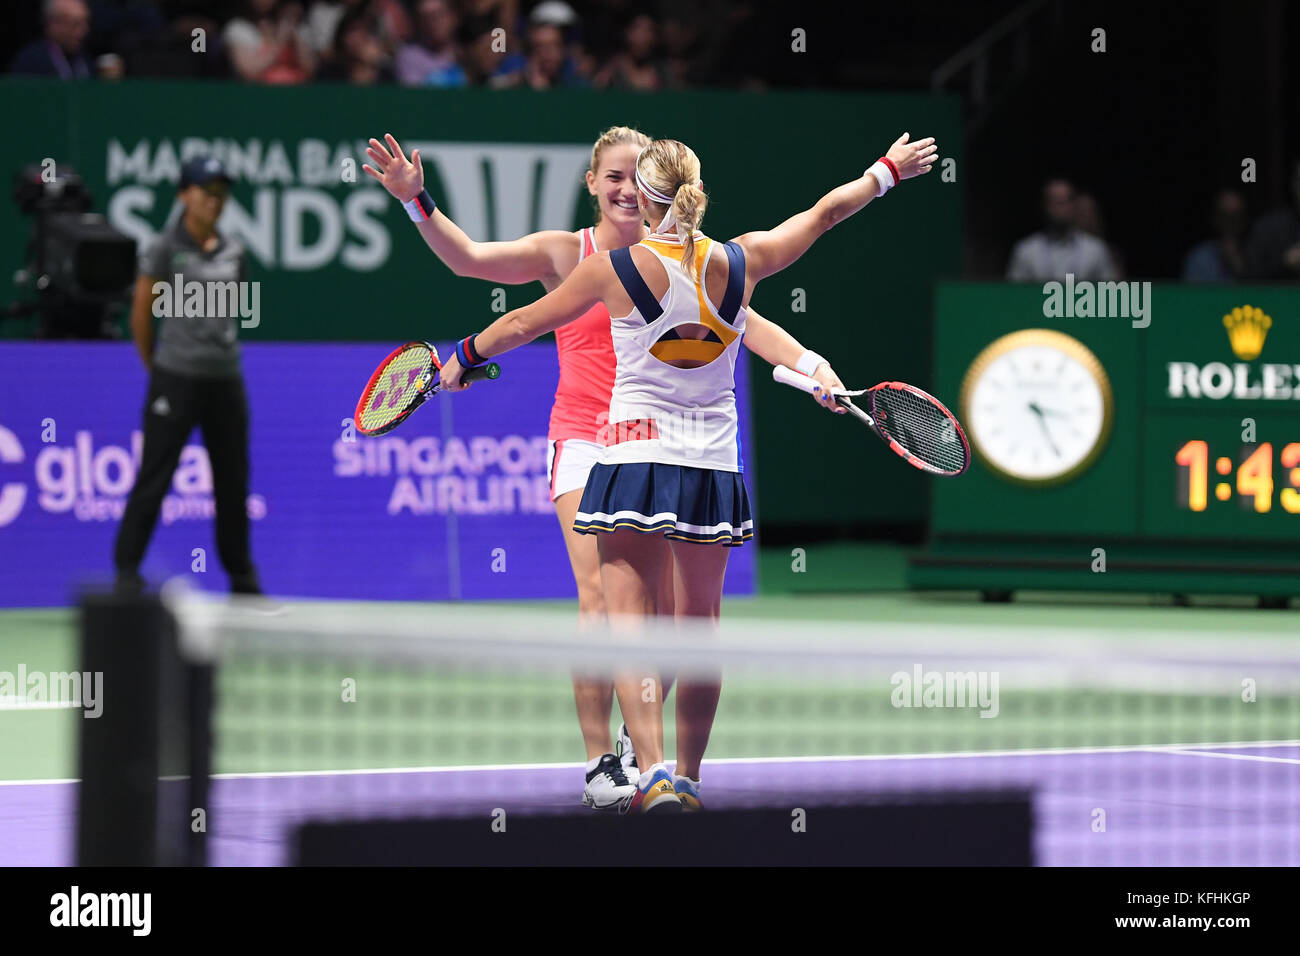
<point>134,758</point>
<point>199,725</point>
<point>119,757</point>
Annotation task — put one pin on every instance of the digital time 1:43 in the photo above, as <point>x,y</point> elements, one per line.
<point>1253,479</point>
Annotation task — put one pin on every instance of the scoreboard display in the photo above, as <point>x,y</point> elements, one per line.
<point>1147,442</point>
<point>1226,493</point>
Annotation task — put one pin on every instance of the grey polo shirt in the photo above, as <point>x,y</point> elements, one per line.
<point>1040,258</point>
<point>206,344</point>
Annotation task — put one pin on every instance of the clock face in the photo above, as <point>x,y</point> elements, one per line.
<point>1038,406</point>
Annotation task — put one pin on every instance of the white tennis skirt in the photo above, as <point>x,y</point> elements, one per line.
<point>569,461</point>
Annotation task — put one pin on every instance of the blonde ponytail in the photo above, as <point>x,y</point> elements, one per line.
<point>669,168</point>
<point>688,209</point>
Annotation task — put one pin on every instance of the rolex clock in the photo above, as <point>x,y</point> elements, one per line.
<point>1038,406</point>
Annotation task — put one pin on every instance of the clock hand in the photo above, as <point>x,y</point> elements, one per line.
<point>1033,407</point>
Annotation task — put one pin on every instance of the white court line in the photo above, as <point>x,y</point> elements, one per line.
<point>1262,759</point>
<point>22,703</point>
<point>838,758</point>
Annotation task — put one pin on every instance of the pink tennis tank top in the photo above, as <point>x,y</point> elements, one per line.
<point>587,367</point>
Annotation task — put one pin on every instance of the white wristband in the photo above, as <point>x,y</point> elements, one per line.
<point>881,174</point>
<point>808,362</point>
<point>421,207</point>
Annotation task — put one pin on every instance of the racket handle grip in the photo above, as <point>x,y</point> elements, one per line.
<point>788,376</point>
<point>490,371</point>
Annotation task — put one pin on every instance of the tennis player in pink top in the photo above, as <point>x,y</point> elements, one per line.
<point>579,417</point>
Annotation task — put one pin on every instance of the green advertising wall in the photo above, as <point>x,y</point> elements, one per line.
<point>1196,488</point>
<point>337,258</point>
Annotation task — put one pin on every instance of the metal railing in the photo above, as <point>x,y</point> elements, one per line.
<point>1009,38</point>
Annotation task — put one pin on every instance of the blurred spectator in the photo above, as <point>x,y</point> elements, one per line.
<point>59,52</point>
<point>1061,247</point>
<point>358,55</point>
<point>170,52</point>
<point>1220,259</point>
<point>634,67</point>
<point>1273,250</point>
<point>1087,216</point>
<point>576,32</point>
<point>389,23</point>
<point>125,26</point>
<point>682,49</point>
<point>548,63</point>
<point>603,23</point>
<point>270,44</point>
<point>109,67</point>
<point>502,13</point>
<point>557,13</point>
<point>695,33</point>
<point>323,23</point>
<point>745,29</point>
<point>480,57</point>
<point>431,60</point>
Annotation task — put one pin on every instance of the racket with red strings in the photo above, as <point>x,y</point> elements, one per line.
<point>913,423</point>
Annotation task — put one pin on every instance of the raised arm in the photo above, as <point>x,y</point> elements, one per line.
<point>776,346</point>
<point>588,284</point>
<point>540,256</point>
<point>767,253</point>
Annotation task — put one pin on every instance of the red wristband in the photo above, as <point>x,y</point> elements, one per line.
<point>893,170</point>
<point>465,351</point>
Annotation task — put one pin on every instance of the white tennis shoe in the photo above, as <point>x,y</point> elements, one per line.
<point>608,787</point>
<point>626,754</point>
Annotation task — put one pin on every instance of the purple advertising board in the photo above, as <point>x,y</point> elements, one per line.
<point>454,504</point>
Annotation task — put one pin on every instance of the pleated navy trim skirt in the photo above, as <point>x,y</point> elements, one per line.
<point>685,504</point>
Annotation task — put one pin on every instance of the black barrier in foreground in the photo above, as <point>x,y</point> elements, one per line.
<point>142,761</point>
<point>908,829</point>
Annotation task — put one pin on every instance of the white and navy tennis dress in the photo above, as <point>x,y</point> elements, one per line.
<point>672,461</point>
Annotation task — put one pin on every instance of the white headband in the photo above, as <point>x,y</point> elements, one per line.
<point>645,187</point>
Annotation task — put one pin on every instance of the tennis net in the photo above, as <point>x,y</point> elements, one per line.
<point>345,733</point>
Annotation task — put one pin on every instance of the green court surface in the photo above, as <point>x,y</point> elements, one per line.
<point>282,715</point>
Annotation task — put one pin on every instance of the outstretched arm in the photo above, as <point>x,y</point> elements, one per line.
<point>584,287</point>
<point>767,253</point>
<point>776,346</point>
<point>534,257</point>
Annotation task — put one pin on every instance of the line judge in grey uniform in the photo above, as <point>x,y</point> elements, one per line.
<point>195,378</point>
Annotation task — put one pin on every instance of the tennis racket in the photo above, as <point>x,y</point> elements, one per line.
<point>402,383</point>
<point>914,424</point>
